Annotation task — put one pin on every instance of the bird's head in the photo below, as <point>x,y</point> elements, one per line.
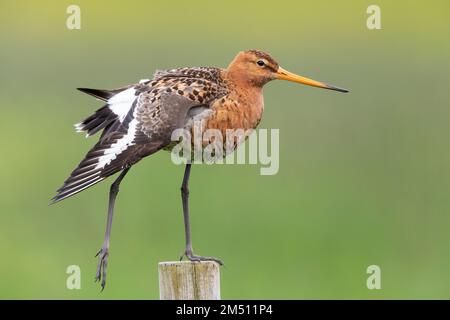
<point>257,68</point>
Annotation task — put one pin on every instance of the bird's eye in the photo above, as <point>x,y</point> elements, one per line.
<point>260,63</point>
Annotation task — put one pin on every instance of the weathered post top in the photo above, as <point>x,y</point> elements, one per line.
<point>186,280</point>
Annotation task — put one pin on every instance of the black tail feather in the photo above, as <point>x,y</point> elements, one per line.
<point>99,93</point>
<point>98,121</point>
<point>104,116</point>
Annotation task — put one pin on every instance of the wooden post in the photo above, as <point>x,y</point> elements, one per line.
<point>186,280</point>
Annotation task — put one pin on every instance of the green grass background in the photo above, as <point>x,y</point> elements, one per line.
<point>364,177</point>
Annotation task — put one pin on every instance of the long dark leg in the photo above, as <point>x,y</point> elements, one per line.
<point>104,251</point>
<point>187,227</point>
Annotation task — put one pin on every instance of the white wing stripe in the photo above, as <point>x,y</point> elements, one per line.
<point>121,103</point>
<point>118,147</point>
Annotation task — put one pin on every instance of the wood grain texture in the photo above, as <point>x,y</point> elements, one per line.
<point>186,280</point>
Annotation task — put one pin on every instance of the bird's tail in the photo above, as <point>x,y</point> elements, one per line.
<point>97,121</point>
<point>102,117</point>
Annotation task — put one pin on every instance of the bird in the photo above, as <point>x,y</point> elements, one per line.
<point>137,121</point>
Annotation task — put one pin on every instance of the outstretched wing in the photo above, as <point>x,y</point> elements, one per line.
<point>149,128</point>
<point>138,120</point>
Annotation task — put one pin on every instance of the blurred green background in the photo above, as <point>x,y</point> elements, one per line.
<point>364,177</point>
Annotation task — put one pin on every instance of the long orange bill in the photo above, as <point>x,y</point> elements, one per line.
<point>289,76</point>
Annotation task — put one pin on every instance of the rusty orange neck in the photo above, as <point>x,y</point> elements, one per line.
<point>241,87</point>
<point>243,106</point>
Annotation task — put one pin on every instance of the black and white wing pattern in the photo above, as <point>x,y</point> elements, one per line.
<point>136,121</point>
<point>118,105</point>
<point>116,120</point>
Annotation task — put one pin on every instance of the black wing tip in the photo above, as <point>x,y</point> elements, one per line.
<point>63,194</point>
<point>59,197</point>
<point>67,191</point>
<point>55,200</point>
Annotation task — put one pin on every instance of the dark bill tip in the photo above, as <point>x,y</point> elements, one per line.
<point>336,89</point>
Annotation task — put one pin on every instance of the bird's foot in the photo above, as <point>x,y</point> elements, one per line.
<point>100,276</point>
<point>193,257</point>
